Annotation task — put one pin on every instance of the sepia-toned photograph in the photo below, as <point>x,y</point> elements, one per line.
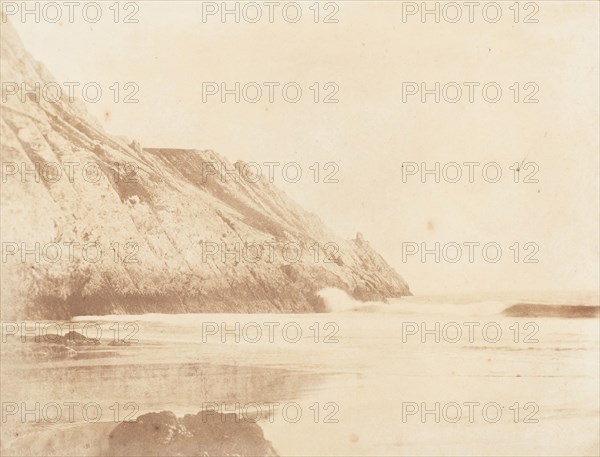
<point>353,228</point>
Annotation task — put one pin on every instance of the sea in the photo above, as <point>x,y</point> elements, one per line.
<point>418,376</point>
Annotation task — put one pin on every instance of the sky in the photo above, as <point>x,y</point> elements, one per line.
<point>376,135</point>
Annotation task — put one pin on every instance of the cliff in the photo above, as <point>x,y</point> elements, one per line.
<point>95,224</point>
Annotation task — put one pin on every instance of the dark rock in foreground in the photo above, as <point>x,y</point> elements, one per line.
<point>564,311</point>
<point>207,433</point>
<point>76,338</point>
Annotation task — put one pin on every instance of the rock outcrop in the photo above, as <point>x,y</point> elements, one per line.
<point>561,311</point>
<point>95,224</point>
<point>207,434</point>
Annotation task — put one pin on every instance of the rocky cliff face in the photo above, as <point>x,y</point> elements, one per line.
<point>104,226</point>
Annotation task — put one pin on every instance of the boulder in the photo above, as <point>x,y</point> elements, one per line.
<point>207,434</point>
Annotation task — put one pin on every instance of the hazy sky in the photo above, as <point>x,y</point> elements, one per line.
<point>370,132</point>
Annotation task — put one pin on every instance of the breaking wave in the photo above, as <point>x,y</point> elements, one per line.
<point>338,301</point>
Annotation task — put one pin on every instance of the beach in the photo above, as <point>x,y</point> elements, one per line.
<point>385,379</point>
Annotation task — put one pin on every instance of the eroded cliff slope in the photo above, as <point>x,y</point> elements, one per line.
<point>161,218</point>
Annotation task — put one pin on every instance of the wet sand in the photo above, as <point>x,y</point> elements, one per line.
<point>363,381</point>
